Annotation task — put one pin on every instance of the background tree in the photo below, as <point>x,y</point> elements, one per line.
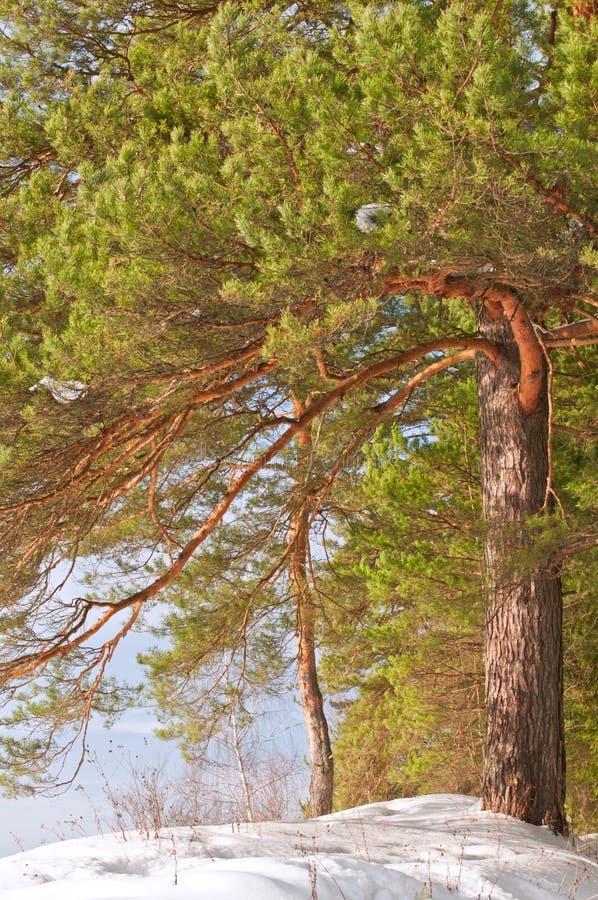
<point>235,613</point>
<point>411,640</point>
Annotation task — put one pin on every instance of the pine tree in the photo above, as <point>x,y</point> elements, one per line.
<point>410,640</point>
<point>209,210</point>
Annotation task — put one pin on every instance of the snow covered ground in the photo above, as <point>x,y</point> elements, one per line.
<point>438,846</point>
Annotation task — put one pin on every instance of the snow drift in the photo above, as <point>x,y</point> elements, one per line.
<point>438,846</point>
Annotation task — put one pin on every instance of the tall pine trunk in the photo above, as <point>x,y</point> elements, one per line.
<point>524,765</point>
<point>318,737</point>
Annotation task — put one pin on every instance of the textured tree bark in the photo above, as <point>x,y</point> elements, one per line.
<point>320,751</point>
<point>524,767</point>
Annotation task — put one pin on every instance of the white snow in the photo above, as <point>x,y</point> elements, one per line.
<point>370,216</point>
<point>62,391</point>
<point>439,846</point>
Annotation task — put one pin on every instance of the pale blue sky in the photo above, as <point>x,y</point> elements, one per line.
<point>84,808</point>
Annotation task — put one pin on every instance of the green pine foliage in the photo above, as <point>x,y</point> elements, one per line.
<point>179,187</point>
<point>412,644</point>
<point>404,658</point>
<point>228,631</point>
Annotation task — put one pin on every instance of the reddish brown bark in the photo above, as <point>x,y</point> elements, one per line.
<point>77,634</point>
<point>583,331</point>
<point>585,11</point>
<point>524,767</point>
<point>318,737</point>
<point>531,381</point>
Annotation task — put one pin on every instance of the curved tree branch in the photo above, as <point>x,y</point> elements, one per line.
<point>68,640</point>
<point>531,356</point>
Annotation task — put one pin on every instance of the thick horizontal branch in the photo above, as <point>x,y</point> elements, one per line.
<point>585,331</point>
<point>580,433</point>
<point>233,359</point>
<point>447,283</point>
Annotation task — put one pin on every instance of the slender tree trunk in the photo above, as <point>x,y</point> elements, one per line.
<point>320,751</point>
<point>524,766</point>
<point>237,750</point>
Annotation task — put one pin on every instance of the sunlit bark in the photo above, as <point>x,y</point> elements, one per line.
<point>524,765</point>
